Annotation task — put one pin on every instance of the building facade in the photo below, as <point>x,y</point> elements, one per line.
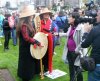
<point>48,3</point>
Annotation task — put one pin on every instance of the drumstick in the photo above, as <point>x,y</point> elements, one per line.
<point>38,29</point>
<point>42,75</point>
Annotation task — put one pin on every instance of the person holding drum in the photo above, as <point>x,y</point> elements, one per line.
<point>48,28</point>
<point>27,65</point>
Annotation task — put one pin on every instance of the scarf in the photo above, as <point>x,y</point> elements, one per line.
<point>45,27</point>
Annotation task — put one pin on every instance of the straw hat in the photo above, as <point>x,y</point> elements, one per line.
<point>45,10</point>
<point>27,10</point>
<point>39,52</point>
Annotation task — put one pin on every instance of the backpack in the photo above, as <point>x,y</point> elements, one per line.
<point>60,21</point>
<point>5,23</point>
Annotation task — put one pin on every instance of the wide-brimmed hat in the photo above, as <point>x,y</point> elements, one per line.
<point>45,10</point>
<point>39,52</point>
<point>27,10</point>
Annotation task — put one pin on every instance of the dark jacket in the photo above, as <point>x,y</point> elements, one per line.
<point>93,39</point>
<point>6,24</point>
<point>27,65</point>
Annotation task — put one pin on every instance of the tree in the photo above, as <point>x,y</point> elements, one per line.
<point>54,7</point>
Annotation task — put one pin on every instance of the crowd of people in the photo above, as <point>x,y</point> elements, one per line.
<point>56,26</point>
<point>8,28</point>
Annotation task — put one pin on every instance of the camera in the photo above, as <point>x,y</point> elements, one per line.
<point>90,5</point>
<point>88,19</point>
<point>90,14</point>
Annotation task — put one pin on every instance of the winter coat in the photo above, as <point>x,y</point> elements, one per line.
<point>27,65</point>
<point>77,36</point>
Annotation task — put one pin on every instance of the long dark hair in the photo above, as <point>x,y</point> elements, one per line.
<point>28,23</point>
<point>76,16</point>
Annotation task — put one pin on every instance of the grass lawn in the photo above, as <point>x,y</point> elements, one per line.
<point>9,59</point>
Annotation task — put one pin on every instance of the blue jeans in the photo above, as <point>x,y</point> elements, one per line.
<point>14,37</point>
<point>94,75</point>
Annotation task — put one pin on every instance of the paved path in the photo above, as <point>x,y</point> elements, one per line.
<point>5,75</point>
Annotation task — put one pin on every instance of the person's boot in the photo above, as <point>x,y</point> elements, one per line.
<point>24,80</point>
<point>7,48</point>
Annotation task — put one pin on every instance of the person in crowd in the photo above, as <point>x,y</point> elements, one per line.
<point>11,20</point>
<point>16,19</point>
<point>81,12</point>
<point>71,54</point>
<point>66,25</point>
<point>39,9</point>
<point>91,38</point>
<point>60,20</point>
<point>56,41</point>
<point>76,9</point>
<point>6,30</point>
<point>27,65</point>
<point>48,27</point>
<point>1,23</point>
